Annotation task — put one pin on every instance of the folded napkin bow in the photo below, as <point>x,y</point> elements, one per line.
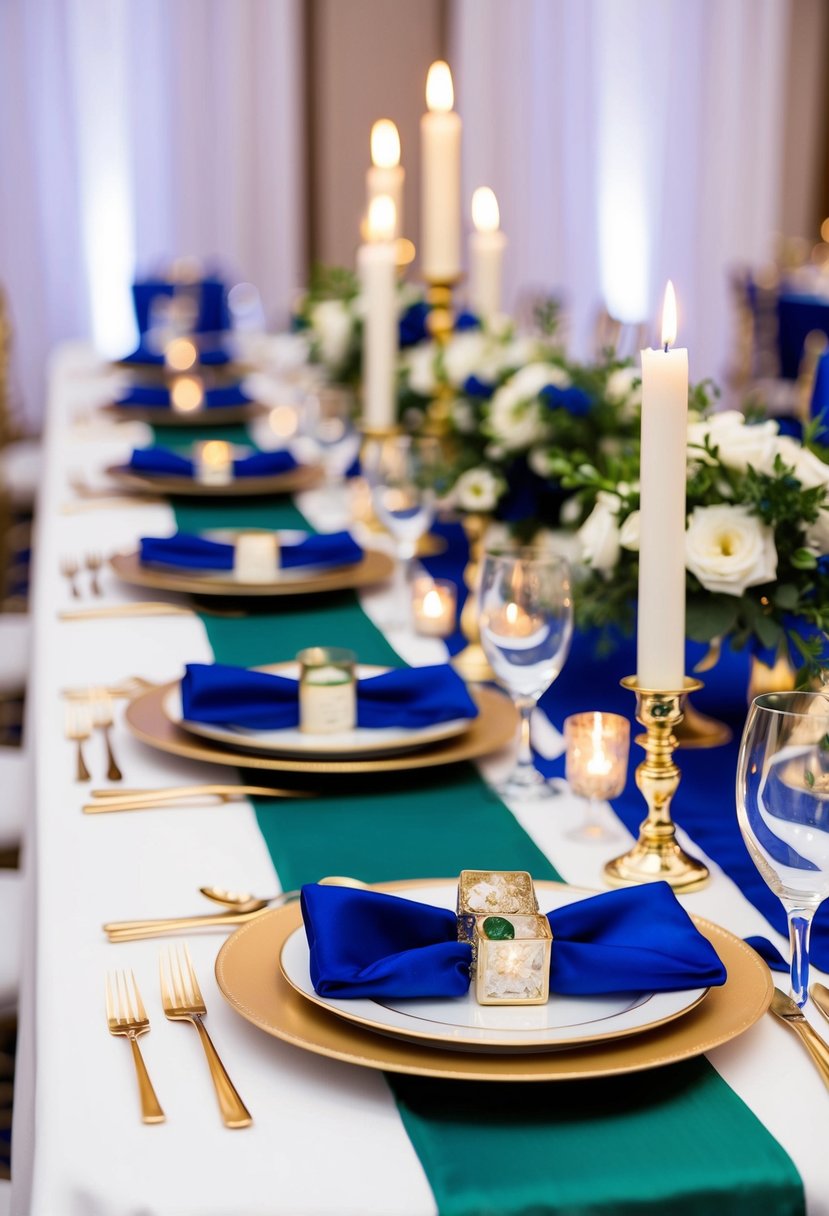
<point>165,463</point>
<point>146,396</point>
<point>409,697</point>
<point>188,551</point>
<point>636,939</point>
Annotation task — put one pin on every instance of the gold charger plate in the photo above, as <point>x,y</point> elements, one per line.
<point>250,979</point>
<point>220,415</point>
<point>304,477</point>
<point>495,726</point>
<point>375,567</point>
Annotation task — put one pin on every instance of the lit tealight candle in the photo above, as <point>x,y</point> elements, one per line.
<point>434,607</point>
<point>214,463</point>
<point>440,150</point>
<point>180,355</point>
<point>486,255</point>
<point>386,175</point>
<point>513,628</point>
<point>256,557</point>
<point>597,746</point>
<point>327,690</point>
<point>186,394</point>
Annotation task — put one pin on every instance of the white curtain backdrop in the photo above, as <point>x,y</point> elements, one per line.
<point>136,130</point>
<point>628,142</point>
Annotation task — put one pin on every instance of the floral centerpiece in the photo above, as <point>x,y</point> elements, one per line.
<point>756,544</point>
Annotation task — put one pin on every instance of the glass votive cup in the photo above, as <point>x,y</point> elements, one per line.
<point>327,690</point>
<point>214,462</point>
<point>597,746</point>
<point>434,607</point>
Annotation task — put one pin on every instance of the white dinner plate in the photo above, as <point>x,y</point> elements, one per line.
<point>461,1024</point>
<point>290,741</point>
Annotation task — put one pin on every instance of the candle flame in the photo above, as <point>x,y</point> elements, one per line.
<point>216,452</point>
<point>440,94</point>
<point>180,354</point>
<point>485,214</point>
<point>186,394</point>
<point>599,764</point>
<point>432,605</point>
<point>382,217</point>
<point>385,144</point>
<point>669,316</point>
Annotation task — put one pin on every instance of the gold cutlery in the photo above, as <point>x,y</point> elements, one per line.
<point>102,720</point>
<point>129,687</point>
<point>820,995</point>
<point>78,728</point>
<point>183,1002</point>
<point>93,563</point>
<point>108,503</point>
<point>785,1008</point>
<point>69,570</point>
<point>142,608</point>
<point>127,1016</point>
<point>106,801</point>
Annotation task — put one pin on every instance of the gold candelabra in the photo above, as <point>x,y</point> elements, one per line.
<point>656,854</point>
<point>441,324</point>
<point>471,662</point>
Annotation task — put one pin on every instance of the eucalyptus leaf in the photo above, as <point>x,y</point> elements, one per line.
<point>710,616</point>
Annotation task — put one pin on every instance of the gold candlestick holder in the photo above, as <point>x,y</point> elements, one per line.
<point>656,854</point>
<point>471,662</point>
<point>441,325</point>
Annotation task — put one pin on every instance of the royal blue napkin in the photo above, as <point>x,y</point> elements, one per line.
<point>162,462</point>
<point>636,939</point>
<point>190,552</point>
<point>158,397</point>
<point>410,697</point>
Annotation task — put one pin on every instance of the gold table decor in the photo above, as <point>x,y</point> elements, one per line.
<point>303,477</point>
<point>657,855</point>
<point>441,324</point>
<point>219,415</point>
<point>471,662</point>
<point>261,994</point>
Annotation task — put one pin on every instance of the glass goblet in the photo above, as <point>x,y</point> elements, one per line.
<point>525,606</point>
<point>328,423</point>
<point>596,758</point>
<point>783,810</point>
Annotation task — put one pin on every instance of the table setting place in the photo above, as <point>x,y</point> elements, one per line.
<point>438,724</point>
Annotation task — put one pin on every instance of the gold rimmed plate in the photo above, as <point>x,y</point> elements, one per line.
<point>249,977</point>
<point>374,567</point>
<point>162,416</point>
<point>494,727</point>
<point>303,477</point>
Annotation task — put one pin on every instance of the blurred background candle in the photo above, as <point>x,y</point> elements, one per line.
<point>386,175</point>
<point>596,758</point>
<point>214,463</point>
<point>376,265</point>
<point>440,152</point>
<point>486,255</point>
<point>180,355</point>
<point>434,607</point>
<point>186,394</point>
<point>661,630</point>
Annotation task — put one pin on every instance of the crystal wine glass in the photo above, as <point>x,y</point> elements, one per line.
<point>328,422</point>
<point>526,621</point>
<point>783,809</point>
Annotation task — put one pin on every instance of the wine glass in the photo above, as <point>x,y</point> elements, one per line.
<point>403,473</point>
<point>596,760</point>
<point>783,810</point>
<point>525,609</point>
<point>328,422</point>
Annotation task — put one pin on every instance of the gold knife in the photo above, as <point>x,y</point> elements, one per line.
<point>785,1008</point>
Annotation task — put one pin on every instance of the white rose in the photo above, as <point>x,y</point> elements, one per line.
<point>420,362</point>
<point>629,532</point>
<point>539,461</point>
<point>515,422</point>
<point>530,380</point>
<point>817,534</point>
<point>729,549</point>
<point>599,535</point>
<point>624,389</point>
<point>463,356</point>
<point>333,324</point>
<point>463,416</point>
<point>740,444</point>
<point>477,490</point>
<point>809,470</point>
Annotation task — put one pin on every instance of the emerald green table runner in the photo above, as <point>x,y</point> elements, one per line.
<point>675,1139</point>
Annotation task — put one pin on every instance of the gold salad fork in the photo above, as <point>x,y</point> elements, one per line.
<point>183,1002</point>
<point>78,728</point>
<point>69,569</point>
<point>127,1016</point>
<point>102,720</point>
<point>93,563</point>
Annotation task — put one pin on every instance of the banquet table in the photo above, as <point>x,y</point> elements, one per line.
<point>327,1136</point>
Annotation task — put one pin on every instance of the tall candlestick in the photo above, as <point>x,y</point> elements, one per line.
<point>661,636</point>
<point>376,264</point>
<point>386,175</point>
<point>486,254</point>
<point>440,151</point>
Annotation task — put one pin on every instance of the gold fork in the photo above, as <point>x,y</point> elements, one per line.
<point>102,719</point>
<point>183,1002</point>
<point>127,1016</point>
<point>69,570</point>
<point>93,563</point>
<point>78,728</point>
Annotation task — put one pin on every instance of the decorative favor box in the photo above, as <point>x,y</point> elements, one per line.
<point>327,690</point>
<point>256,557</point>
<point>512,960</point>
<point>492,892</point>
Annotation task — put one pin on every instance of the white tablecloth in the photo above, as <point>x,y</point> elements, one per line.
<point>326,1136</point>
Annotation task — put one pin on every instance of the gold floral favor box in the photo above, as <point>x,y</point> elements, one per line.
<point>511,943</point>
